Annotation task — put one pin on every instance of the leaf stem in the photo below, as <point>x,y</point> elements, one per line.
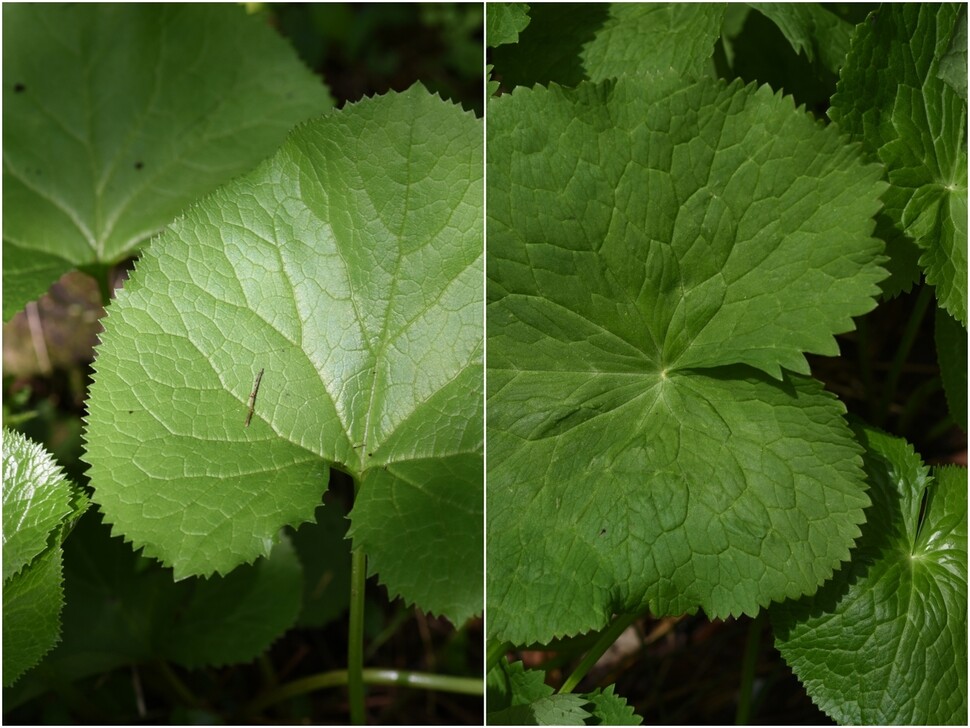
<point>371,676</point>
<point>494,651</point>
<point>355,648</point>
<point>902,351</point>
<point>748,665</point>
<point>597,651</point>
<point>180,688</point>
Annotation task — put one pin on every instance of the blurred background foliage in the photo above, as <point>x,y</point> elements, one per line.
<point>366,49</point>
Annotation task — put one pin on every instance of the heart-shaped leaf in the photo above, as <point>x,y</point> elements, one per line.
<point>324,310</point>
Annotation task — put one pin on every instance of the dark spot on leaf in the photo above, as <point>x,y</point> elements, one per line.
<point>603,532</point>
<point>139,165</point>
<point>19,88</point>
<point>130,411</point>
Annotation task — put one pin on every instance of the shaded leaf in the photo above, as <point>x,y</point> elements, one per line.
<point>951,353</point>
<point>567,43</point>
<point>117,116</point>
<point>504,22</point>
<point>32,602</point>
<point>892,98</point>
<point>324,551</point>
<point>811,29</point>
<point>237,617</point>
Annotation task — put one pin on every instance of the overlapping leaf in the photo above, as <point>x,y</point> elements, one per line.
<point>892,97</point>
<point>652,246</point>
<point>517,696</point>
<point>347,270</point>
<point>120,609</point>
<point>39,507</point>
<point>504,22</point>
<point>812,30</point>
<point>117,116</point>
<point>571,42</point>
<point>885,642</point>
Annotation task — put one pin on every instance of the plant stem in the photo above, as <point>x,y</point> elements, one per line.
<point>180,688</point>
<point>494,651</point>
<point>902,352</point>
<point>372,676</point>
<point>748,665</point>
<point>401,616</point>
<point>596,652</point>
<point>355,648</point>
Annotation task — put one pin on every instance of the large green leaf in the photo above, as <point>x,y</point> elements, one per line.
<point>646,239</point>
<point>117,116</point>
<point>885,642</point>
<point>569,42</point>
<point>891,96</point>
<point>346,269</point>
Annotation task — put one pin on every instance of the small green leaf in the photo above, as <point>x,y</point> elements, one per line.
<point>117,116</point>
<point>811,29</point>
<point>517,696</point>
<point>347,268</point>
<point>568,43</point>
<point>36,501</point>
<point>504,22</point>
<point>512,684</point>
<point>551,710</point>
<point>520,697</point>
<point>651,247</point>
<point>892,98</point>
<point>608,708</point>
<point>894,620</point>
